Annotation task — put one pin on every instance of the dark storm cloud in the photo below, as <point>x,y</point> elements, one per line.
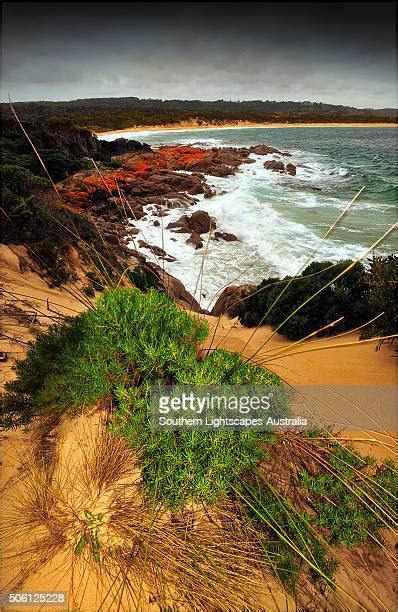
<point>334,52</point>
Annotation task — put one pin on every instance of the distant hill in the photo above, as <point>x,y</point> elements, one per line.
<point>118,113</point>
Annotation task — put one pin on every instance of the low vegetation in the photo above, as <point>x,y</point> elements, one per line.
<point>130,341</point>
<point>356,504</point>
<point>356,297</point>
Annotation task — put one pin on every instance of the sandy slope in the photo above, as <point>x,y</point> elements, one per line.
<point>24,289</point>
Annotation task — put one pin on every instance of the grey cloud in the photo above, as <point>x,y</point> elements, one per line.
<point>335,52</point>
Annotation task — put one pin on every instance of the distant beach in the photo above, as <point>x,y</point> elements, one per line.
<point>233,126</point>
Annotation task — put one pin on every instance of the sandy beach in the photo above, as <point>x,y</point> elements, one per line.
<point>188,126</point>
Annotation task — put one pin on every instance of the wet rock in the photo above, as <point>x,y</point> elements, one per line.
<point>208,193</point>
<point>159,252</point>
<point>182,224</point>
<point>291,169</point>
<point>274,165</point>
<point>225,236</point>
<point>153,248</point>
<point>138,213</point>
<point>196,240</point>
<point>263,149</point>
<point>199,222</point>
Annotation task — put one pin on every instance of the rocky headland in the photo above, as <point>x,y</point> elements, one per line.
<point>150,183</point>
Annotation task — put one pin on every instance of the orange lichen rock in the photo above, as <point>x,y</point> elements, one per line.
<point>152,174</point>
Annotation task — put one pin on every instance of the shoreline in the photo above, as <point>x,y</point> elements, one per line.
<point>187,127</point>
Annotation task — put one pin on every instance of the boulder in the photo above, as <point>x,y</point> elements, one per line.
<point>225,236</point>
<point>153,248</point>
<point>274,165</point>
<point>201,222</point>
<point>208,193</point>
<point>196,240</point>
<point>137,213</point>
<point>182,223</point>
<point>231,299</point>
<point>278,166</point>
<point>263,149</point>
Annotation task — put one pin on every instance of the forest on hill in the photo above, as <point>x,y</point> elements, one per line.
<point>118,113</point>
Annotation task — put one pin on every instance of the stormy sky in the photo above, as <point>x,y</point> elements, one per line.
<point>341,53</point>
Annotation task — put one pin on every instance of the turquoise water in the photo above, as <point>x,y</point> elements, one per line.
<point>280,219</point>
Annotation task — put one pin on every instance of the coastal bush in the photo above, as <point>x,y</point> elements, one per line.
<point>291,538</point>
<point>382,278</point>
<point>32,215</point>
<point>16,151</point>
<point>354,498</point>
<point>328,495</point>
<point>130,341</point>
<point>272,303</point>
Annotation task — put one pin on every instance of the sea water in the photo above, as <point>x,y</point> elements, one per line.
<point>280,219</point>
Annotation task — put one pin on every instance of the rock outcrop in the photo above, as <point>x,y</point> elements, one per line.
<point>123,145</point>
<point>196,240</point>
<point>173,288</point>
<point>77,142</point>
<point>278,166</point>
<point>198,223</point>
<point>265,150</point>
<point>231,299</point>
<point>158,251</point>
<point>151,183</point>
<point>225,236</point>
<point>274,165</point>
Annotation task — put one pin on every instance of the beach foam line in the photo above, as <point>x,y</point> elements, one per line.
<point>186,128</point>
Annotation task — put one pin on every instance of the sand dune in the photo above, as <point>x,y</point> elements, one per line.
<point>353,365</point>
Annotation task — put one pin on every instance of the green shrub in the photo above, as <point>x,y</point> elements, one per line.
<point>346,297</point>
<point>130,341</point>
<point>382,279</point>
<point>352,506</point>
<point>128,337</point>
<point>291,540</point>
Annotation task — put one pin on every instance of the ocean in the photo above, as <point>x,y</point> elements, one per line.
<point>280,219</point>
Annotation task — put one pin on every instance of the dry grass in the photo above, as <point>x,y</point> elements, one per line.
<point>87,518</point>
